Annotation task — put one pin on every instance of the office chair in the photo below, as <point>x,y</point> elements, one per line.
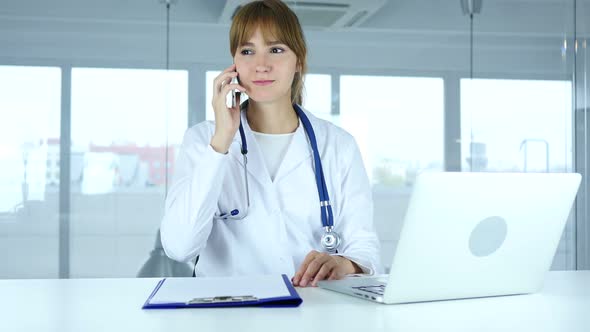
<point>160,265</point>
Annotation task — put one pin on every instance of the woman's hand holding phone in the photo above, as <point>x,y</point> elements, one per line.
<point>227,119</point>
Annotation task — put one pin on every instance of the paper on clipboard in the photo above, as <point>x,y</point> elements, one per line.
<point>185,289</point>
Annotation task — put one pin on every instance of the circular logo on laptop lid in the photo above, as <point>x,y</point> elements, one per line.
<point>488,236</point>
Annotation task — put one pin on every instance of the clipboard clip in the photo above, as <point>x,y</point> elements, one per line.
<point>223,299</point>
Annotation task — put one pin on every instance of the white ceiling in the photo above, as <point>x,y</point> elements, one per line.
<point>498,16</point>
<point>511,36</point>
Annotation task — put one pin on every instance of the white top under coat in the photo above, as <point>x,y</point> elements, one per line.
<point>273,148</point>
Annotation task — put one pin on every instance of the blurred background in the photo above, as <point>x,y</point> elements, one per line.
<point>96,95</point>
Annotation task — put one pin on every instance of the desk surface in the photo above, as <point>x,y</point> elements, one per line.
<point>115,305</point>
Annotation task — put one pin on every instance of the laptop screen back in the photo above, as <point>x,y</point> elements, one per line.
<point>479,234</point>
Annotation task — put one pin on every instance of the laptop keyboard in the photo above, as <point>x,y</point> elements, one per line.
<point>375,289</point>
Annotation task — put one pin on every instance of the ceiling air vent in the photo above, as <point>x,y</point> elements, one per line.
<point>321,14</point>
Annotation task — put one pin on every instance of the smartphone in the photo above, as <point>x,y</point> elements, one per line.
<point>235,94</point>
<point>231,100</point>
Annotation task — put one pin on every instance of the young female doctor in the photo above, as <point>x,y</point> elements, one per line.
<point>268,188</point>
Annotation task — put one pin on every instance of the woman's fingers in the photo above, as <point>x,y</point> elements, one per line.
<point>320,266</point>
<point>303,268</point>
<point>324,271</point>
<point>223,79</point>
<point>316,266</point>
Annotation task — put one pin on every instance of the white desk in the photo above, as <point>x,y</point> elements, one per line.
<point>115,305</point>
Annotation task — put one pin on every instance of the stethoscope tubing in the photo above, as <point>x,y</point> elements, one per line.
<point>331,239</point>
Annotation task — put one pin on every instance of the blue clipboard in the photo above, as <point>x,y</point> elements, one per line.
<point>290,298</point>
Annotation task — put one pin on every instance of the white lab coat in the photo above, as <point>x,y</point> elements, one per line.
<point>283,224</point>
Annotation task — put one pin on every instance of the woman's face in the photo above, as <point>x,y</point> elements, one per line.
<point>266,68</point>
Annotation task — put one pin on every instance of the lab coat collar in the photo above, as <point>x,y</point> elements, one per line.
<point>299,150</point>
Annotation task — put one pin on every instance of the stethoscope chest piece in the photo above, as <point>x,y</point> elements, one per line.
<point>330,241</point>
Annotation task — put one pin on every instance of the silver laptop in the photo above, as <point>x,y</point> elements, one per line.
<point>473,235</point>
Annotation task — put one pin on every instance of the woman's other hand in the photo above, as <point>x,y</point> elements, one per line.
<point>319,266</point>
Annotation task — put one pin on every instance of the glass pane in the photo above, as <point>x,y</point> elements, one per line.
<point>317,96</point>
<point>519,126</point>
<point>29,178</point>
<point>386,115</point>
<point>582,140</point>
<point>516,112</point>
<point>516,125</point>
<point>127,125</point>
<point>373,105</point>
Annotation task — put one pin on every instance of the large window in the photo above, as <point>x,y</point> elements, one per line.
<point>520,126</point>
<point>398,123</point>
<point>127,126</point>
<point>317,96</point>
<point>29,154</point>
<point>516,125</point>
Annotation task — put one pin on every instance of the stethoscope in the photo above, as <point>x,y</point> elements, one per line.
<point>330,240</point>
